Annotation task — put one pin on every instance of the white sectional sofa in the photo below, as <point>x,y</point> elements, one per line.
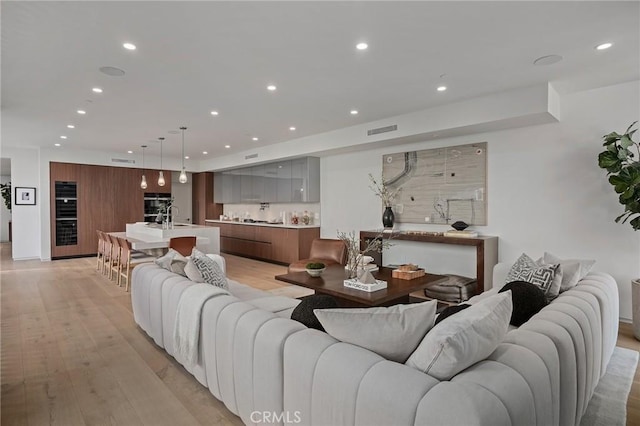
<point>269,369</point>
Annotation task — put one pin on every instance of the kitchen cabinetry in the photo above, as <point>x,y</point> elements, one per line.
<point>290,181</point>
<point>107,199</point>
<point>274,244</point>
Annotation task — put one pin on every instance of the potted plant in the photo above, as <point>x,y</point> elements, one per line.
<point>315,269</point>
<point>356,252</point>
<point>5,190</point>
<point>621,159</point>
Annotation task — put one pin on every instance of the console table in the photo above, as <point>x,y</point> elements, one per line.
<point>486,250</point>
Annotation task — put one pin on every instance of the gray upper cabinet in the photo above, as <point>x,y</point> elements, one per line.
<point>290,181</point>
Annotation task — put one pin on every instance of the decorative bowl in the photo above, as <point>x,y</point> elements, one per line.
<point>315,272</point>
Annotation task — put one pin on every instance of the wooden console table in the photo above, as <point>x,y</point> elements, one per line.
<point>486,250</point>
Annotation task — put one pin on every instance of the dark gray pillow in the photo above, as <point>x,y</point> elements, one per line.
<point>303,313</point>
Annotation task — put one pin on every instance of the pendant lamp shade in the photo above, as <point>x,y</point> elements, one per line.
<point>183,173</point>
<point>143,182</point>
<point>161,181</point>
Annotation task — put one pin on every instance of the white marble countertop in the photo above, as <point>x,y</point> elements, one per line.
<point>271,225</point>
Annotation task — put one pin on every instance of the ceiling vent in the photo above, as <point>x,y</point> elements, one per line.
<point>249,157</point>
<point>123,160</point>
<point>382,130</point>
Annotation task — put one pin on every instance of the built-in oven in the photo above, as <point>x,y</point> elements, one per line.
<point>153,201</point>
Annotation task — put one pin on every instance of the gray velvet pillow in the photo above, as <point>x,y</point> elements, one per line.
<point>177,267</point>
<point>393,332</point>
<point>573,270</point>
<point>165,261</point>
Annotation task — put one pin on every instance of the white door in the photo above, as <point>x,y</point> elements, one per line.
<point>181,193</point>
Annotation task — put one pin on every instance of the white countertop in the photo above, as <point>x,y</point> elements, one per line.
<point>270,225</point>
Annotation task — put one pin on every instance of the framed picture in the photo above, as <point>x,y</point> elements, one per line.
<point>25,196</point>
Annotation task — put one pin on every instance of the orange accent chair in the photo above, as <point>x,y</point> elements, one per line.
<point>183,245</point>
<point>328,251</point>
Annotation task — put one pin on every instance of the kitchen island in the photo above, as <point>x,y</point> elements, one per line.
<point>152,235</point>
<point>277,243</point>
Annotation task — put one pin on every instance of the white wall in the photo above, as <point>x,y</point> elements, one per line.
<point>5,214</point>
<point>545,192</point>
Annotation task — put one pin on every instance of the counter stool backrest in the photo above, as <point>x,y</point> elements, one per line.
<point>183,245</point>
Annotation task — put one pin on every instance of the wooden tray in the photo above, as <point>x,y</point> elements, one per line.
<point>407,275</point>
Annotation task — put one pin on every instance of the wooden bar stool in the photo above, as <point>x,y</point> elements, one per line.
<point>100,254</point>
<point>128,262</point>
<point>106,257</point>
<point>114,264</point>
<point>183,245</point>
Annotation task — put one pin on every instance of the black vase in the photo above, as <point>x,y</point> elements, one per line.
<point>388,218</point>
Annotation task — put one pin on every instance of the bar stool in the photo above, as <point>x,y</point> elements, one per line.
<point>183,245</point>
<point>100,254</point>
<point>128,262</point>
<point>114,263</point>
<point>106,257</point>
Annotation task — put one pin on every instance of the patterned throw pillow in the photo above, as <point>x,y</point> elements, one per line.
<point>210,271</point>
<point>546,276</point>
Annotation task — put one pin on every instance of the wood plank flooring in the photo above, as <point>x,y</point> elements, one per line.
<point>71,353</point>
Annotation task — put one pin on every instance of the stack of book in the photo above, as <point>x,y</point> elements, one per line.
<point>461,234</point>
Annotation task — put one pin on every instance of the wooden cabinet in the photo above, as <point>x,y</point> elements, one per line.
<point>203,206</point>
<point>273,244</point>
<point>107,199</point>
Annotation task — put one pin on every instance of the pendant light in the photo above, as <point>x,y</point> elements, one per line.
<point>161,181</point>
<point>183,173</point>
<point>143,182</point>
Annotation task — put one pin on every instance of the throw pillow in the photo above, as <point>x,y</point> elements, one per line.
<point>177,267</point>
<point>392,332</point>
<point>165,261</point>
<point>464,339</point>
<point>192,272</point>
<point>447,312</point>
<point>528,299</point>
<point>304,314</point>
<point>573,270</point>
<point>210,271</point>
<point>546,276</point>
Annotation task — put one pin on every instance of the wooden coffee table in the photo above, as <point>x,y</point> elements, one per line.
<point>331,282</point>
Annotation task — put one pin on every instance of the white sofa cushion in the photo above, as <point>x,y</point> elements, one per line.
<point>464,338</point>
<point>573,270</point>
<point>392,332</point>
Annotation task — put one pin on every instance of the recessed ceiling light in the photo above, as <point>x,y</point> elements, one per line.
<point>186,157</point>
<point>71,126</point>
<point>254,138</point>
<point>441,88</point>
<point>354,112</point>
<point>129,152</point>
<point>129,46</point>
<point>63,137</point>
<point>227,146</point>
<point>205,152</point>
<point>214,112</point>
<point>56,144</point>
<point>604,46</point>
<point>547,60</point>
<point>112,71</point>
<point>271,87</point>
<point>292,128</point>
<point>362,46</point>
<point>81,111</point>
<point>97,90</point>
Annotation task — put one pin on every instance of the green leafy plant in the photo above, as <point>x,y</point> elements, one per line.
<point>5,190</point>
<point>623,169</point>
<point>315,265</point>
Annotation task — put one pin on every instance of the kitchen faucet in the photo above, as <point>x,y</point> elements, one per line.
<point>170,214</point>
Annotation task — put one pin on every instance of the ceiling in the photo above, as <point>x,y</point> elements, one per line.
<point>195,57</point>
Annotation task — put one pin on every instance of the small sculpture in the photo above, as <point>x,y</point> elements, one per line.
<point>459,225</point>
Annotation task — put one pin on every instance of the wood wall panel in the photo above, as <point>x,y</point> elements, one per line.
<point>203,206</point>
<point>108,199</point>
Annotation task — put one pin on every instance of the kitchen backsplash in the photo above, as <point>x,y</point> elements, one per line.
<point>273,212</point>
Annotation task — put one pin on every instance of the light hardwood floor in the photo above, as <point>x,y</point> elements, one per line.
<point>71,353</point>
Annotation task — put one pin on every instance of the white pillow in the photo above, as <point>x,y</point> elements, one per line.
<point>392,332</point>
<point>573,270</point>
<point>192,272</point>
<point>165,261</point>
<point>464,338</point>
<point>546,276</point>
